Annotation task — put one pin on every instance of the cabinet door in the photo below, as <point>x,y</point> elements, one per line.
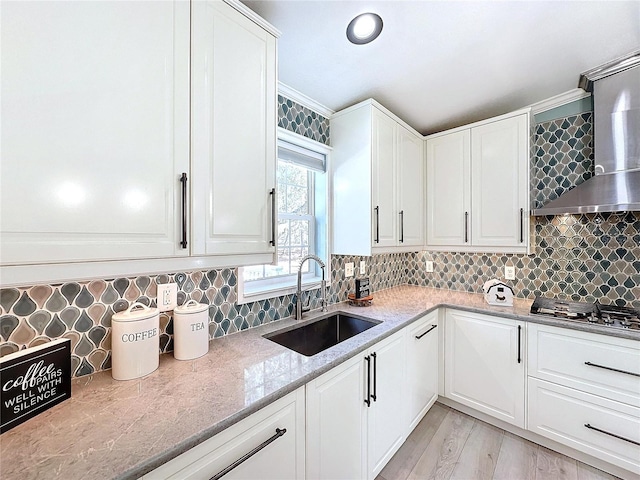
<point>233,131</point>
<point>283,458</point>
<point>410,165</point>
<point>422,367</point>
<point>95,130</point>
<point>336,423</point>
<point>448,187</point>
<point>499,188</point>
<point>383,180</point>
<point>484,364</point>
<point>387,412</point>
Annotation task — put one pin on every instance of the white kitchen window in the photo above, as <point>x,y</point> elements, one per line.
<point>302,192</point>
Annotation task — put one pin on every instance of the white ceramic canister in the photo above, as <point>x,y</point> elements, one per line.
<point>135,342</point>
<point>190,330</point>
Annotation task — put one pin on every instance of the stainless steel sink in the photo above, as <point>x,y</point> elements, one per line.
<point>318,335</point>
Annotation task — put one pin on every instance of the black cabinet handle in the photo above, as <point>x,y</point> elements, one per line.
<point>375,376</point>
<point>418,337</point>
<point>611,434</point>
<point>522,225</point>
<point>466,227</point>
<point>401,226</point>
<point>377,239</point>
<point>519,343</point>
<point>612,369</point>
<point>279,432</point>
<point>368,399</point>
<point>273,217</point>
<point>183,181</point>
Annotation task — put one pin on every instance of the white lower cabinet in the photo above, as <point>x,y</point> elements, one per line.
<point>485,364</point>
<point>422,367</point>
<point>282,422</point>
<point>584,392</point>
<point>356,415</point>
<point>594,425</point>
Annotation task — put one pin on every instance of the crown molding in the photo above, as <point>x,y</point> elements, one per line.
<point>559,100</point>
<point>302,99</point>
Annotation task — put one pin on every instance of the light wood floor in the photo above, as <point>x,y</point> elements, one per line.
<point>448,444</point>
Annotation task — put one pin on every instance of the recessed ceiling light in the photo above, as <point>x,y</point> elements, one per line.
<point>364,28</point>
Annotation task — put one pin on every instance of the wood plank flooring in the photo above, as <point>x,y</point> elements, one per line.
<point>449,445</point>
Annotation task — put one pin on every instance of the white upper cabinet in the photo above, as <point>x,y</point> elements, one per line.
<point>233,132</point>
<point>98,134</point>
<point>478,187</point>
<point>95,130</point>
<point>378,174</point>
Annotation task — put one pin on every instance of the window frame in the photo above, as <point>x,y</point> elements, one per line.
<point>285,285</point>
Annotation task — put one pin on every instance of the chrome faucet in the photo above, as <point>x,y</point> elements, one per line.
<point>323,287</point>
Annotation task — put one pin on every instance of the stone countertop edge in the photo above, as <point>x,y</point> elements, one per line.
<point>231,359</point>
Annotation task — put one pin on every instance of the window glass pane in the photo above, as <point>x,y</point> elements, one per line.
<point>299,233</point>
<point>283,233</point>
<point>253,273</point>
<point>298,200</point>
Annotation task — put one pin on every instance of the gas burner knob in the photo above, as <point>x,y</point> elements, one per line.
<point>592,318</point>
<point>606,318</point>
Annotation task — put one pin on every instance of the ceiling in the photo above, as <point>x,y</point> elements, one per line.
<point>442,64</point>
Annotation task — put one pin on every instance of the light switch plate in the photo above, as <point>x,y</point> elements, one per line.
<point>509,272</point>
<point>167,296</point>
<point>363,267</point>
<point>428,265</point>
<point>348,269</point>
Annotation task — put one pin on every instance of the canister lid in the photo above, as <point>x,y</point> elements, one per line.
<point>191,307</point>
<point>136,311</point>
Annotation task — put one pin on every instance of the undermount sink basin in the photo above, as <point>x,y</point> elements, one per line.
<point>317,336</point>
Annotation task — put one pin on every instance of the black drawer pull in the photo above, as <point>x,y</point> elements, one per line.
<point>374,395</point>
<point>279,432</point>
<point>418,337</point>
<point>274,215</point>
<point>368,399</point>
<point>183,181</point>
<point>377,239</point>
<point>612,369</point>
<point>519,343</point>
<point>611,434</point>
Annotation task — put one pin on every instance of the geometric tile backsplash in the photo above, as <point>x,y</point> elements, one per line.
<point>583,257</point>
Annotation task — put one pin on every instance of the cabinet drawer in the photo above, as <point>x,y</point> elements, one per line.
<point>562,413</point>
<point>283,458</point>
<point>586,361</point>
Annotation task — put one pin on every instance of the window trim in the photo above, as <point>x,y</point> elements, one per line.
<point>288,286</point>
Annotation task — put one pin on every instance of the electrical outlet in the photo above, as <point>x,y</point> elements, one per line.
<point>167,296</point>
<point>509,272</point>
<point>428,266</point>
<point>363,267</point>
<point>348,269</point>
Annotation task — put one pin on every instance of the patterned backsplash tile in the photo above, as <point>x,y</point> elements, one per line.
<point>294,117</point>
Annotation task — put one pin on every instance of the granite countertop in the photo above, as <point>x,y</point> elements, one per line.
<point>124,429</point>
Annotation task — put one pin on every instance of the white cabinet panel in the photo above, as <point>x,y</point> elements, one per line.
<point>386,414</point>
<point>283,458</point>
<point>422,367</point>
<point>499,188</point>
<point>562,414</point>
<point>336,423</point>
<point>95,132</point>
<point>598,364</point>
<point>410,173</point>
<point>233,131</point>
<point>383,179</point>
<point>448,189</point>
<point>484,364</point>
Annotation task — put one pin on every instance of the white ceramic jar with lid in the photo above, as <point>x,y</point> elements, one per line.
<point>190,330</point>
<point>135,342</point>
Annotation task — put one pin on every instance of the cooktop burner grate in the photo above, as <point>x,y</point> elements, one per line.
<point>594,313</point>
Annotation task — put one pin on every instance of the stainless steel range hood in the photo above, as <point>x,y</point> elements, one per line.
<point>616,184</point>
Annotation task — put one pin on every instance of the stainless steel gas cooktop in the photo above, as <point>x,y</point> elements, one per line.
<point>595,313</point>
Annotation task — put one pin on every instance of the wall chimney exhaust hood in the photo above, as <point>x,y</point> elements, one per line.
<point>615,187</point>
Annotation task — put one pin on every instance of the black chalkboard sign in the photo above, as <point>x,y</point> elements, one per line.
<point>34,380</point>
